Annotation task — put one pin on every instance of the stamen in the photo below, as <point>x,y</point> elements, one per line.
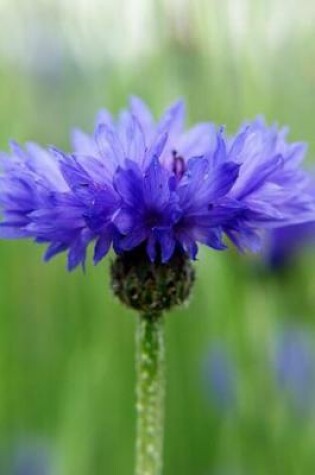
<point>178,165</point>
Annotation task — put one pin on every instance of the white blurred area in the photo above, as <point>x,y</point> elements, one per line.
<point>44,33</point>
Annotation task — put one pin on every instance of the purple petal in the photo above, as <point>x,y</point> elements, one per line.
<point>54,249</point>
<point>151,247</point>
<point>102,246</point>
<point>221,180</point>
<point>13,231</point>
<point>140,110</point>
<point>83,143</point>
<point>124,221</point>
<point>128,183</point>
<point>173,118</point>
<point>134,238</point>
<point>167,243</point>
<point>104,118</point>
<point>109,146</point>
<point>156,185</point>
<point>245,239</point>
<point>132,138</point>
<point>254,174</point>
<point>157,147</point>
<point>77,250</point>
<point>220,153</point>
<point>197,141</point>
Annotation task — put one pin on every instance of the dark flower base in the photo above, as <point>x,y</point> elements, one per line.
<point>150,287</point>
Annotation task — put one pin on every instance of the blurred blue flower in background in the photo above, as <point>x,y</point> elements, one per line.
<point>31,459</point>
<point>294,364</point>
<point>220,377</point>
<point>283,244</point>
<point>137,181</point>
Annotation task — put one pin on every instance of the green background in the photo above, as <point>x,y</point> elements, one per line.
<point>66,345</point>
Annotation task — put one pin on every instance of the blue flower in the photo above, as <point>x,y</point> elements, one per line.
<point>220,377</point>
<point>136,182</point>
<point>294,363</point>
<point>282,244</point>
<point>31,459</point>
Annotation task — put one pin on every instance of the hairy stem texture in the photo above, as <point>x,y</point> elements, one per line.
<point>150,394</point>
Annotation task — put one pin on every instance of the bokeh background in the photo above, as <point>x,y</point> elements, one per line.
<point>241,358</point>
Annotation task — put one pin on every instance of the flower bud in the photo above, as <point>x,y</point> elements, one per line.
<point>151,287</point>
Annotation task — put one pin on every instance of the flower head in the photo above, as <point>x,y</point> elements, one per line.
<point>137,182</point>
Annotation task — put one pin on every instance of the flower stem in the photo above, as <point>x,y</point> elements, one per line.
<point>150,394</point>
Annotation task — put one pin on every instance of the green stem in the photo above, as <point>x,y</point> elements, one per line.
<point>150,395</point>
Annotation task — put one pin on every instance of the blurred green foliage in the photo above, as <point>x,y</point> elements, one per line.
<point>67,347</point>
